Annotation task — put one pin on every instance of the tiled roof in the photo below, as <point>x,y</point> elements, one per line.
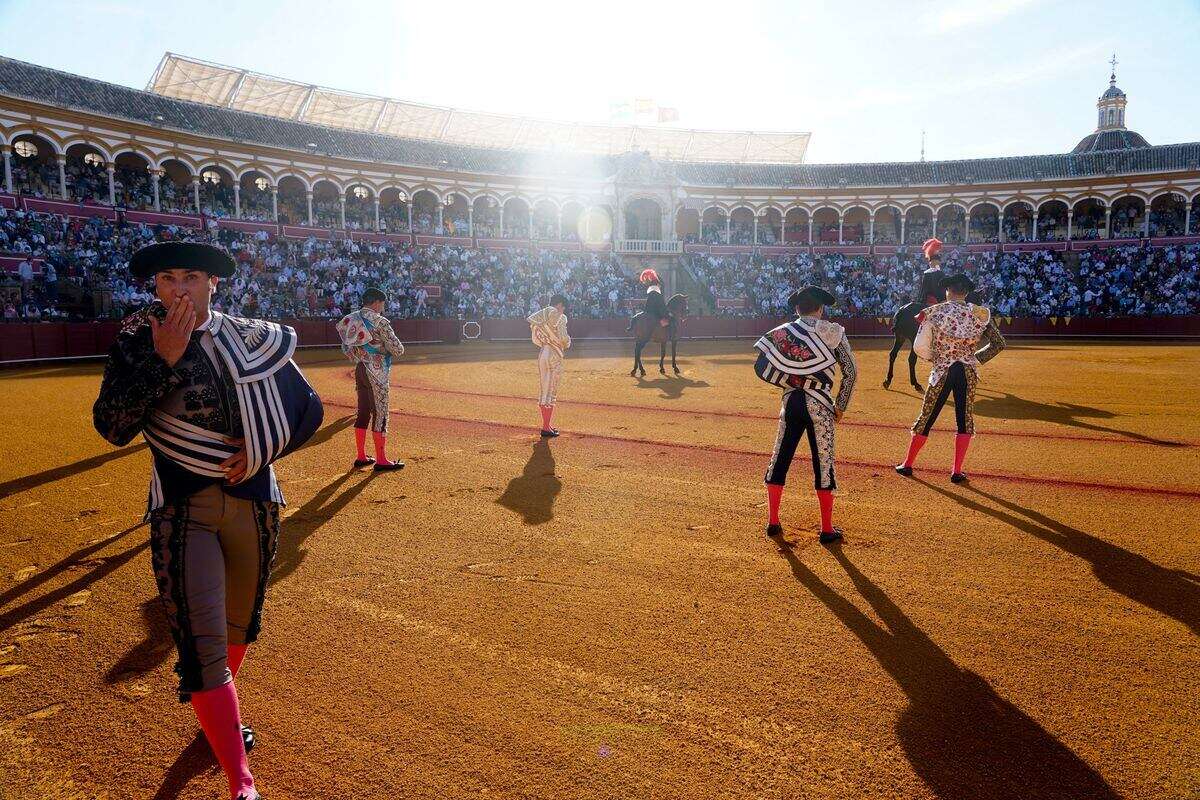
<point>45,85</point>
<point>1110,140</point>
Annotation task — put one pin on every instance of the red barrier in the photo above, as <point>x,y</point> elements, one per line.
<point>783,250</point>
<point>11,263</point>
<point>564,247</point>
<point>502,244</point>
<point>252,226</point>
<point>304,232</point>
<point>25,341</point>
<point>457,241</point>
<point>158,218</point>
<point>8,201</point>
<point>68,208</point>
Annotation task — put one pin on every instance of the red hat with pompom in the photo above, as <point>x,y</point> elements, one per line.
<point>648,276</point>
<point>931,248</point>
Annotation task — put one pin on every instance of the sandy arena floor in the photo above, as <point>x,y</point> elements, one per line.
<point>602,617</point>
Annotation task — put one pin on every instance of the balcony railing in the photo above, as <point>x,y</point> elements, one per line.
<point>649,247</point>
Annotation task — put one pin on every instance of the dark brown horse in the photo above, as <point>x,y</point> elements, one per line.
<point>647,329</point>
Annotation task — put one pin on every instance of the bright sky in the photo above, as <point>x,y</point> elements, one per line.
<point>992,78</point>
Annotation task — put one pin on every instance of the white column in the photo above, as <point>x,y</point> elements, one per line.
<point>810,223</point>
<point>1108,222</point>
<point>531,224</point>
<point>903,221</point>
<point>155,179</point>
<point>756,229</point>
<point>783,229</point>
<point>342,211</point>
<point>377,213</point>
<point>1000,226</point>
<point>871,234</point>
<point>728,225</point>
<point>1146,225</point>
<point>1035,220</point>
<point>112,189</point>
<point>1187,218</point>
<point>1070,218</point>
<point>471,220</point>
<point>62,177</point>
<point>501,232</point>
<point>308,197</point>
<point>237,200</point>
<point>560,225</point>
<point>841,221</point>
<point>935,216</point>
<point>196,193</point>
<point>8,186</point>
<point>275,203</point>
<point>408,207</point>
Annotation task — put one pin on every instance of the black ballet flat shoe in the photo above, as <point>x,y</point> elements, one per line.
<point>363,462</point>
<point>550,434</point>
<point>919,388</point>
<point>887,384</point>
<point>395,465</point>
<point>959,477</point>
<point>774,529</point>
<point>248,737</point>
<point>903,470</point>
<point>829,537</point>
<point>256,796</point>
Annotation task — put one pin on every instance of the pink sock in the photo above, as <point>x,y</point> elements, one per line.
<point>360,439</point>
<point>961,442</point>
<point>380,447</point>
<point>547,413</point>
<point>217,710</point>
<point>234,655</point>
<point>825,498</point>
<point>914,447</point>
<point>774,495</point>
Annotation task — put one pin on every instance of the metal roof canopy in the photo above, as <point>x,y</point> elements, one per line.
<point>185,78</point>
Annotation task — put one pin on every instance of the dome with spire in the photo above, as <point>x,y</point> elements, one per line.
<point>1111,133</point>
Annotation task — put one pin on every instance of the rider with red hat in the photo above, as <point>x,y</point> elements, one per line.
<point>656,306</point>
<point>930,291</point>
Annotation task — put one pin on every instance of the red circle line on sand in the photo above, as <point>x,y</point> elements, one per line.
<point>1069,483</point>
<point>744,415</point>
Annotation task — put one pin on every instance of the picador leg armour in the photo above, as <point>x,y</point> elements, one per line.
<point>774,495</point>
<point>217,711</point>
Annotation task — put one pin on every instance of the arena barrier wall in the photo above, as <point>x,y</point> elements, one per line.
<point>56,340</point>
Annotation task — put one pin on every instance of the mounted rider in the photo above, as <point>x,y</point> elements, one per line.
<point>929,288</point>
<point>656,306</point>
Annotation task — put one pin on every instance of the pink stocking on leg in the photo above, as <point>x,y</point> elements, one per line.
<point>217,711</point>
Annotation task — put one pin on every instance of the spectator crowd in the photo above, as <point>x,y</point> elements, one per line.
<point>83,273</point>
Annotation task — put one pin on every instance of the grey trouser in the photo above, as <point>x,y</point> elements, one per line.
<point>212,557</point>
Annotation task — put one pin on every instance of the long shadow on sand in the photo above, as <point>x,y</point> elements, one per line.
<point>27,482</point>
<point>532,493</point>
<point>672,388</point>
<point>1009,406</point>
<point>1172,592</point>
<point>327,432</point>
<point>323,506</point>
<point>959,735</point>
<point>97,569</point>
<point>154,649</point>
<point>195,760</point>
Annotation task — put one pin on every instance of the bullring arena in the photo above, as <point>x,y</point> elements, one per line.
<point>599,615</point>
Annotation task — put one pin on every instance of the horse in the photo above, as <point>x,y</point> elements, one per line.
<point>646,329</point>
<point>904,327</point>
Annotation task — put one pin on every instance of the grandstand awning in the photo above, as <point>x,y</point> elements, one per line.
<point>198,81</point>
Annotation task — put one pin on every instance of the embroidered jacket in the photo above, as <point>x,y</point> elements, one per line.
<point>236,380</point>
<point>801,355</point>
<point>951,332</point>
<point>549,327</point>
<point>368,338</point>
